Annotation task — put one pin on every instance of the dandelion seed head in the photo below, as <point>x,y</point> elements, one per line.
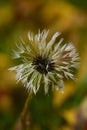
<point>43,62</point>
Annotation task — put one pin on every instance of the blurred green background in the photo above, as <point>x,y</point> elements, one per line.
<point>54,111</point>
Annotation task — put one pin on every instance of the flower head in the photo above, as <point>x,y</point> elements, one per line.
<point>45,63</point>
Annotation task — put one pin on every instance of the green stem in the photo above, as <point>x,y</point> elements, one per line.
<point>25,111</point>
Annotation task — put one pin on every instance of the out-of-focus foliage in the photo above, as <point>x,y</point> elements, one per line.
<point>54,111</point>
<point>79,3</point>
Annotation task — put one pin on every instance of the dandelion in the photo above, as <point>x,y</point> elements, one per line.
<point>45,63</point>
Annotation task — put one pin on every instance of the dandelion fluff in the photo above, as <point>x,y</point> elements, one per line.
<point>46,63</point>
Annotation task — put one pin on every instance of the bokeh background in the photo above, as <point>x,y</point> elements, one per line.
<point>54,111</point>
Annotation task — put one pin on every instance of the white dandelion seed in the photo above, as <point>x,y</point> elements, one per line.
<point>46,63</point>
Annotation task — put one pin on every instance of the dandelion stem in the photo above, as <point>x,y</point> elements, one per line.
<point>25,111</point>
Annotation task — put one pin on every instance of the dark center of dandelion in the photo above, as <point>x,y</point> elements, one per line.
<point>43,65</point>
